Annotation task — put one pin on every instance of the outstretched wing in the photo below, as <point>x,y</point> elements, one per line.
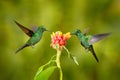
<point>34,28</point>
<point>86,31</point>
<point>26,30</point>
<point>97,37</point>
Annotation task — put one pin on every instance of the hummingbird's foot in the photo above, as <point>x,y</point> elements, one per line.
<point>86,49</point>
<point>32,46</point>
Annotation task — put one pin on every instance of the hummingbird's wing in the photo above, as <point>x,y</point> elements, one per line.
<point>34,28</point>
<point>26,30</point>
<point>93,52</point>
<point>97,37</point>
<point>86,31</point>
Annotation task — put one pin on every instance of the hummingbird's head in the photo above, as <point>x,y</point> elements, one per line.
<point>41,28</point>
<point>75,32</point>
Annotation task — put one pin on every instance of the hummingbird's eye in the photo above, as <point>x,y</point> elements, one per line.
<point>78,31</point>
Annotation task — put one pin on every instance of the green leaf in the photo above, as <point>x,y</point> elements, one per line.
<point>44,74</point>
<point>45,70</point>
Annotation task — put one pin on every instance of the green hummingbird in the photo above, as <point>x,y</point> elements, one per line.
<point>87,40</point>
<point>35,36</point>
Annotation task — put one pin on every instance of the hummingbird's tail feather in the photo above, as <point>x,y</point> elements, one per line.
<point>93,52</point>
<point>21,48</point>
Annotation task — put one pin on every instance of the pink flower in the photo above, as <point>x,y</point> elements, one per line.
<point>59,39</point>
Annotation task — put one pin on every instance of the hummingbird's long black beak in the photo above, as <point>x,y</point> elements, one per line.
<point>48,30</point>
<point>72,33</point>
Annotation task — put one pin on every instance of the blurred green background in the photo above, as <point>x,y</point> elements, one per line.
<point>99,16</point>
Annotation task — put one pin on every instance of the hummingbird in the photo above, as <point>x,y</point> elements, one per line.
<point>87,41</point>
<point>35,36</point>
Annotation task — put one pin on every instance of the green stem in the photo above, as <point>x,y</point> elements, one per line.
<point>71,56</point>
<point>58,63</point>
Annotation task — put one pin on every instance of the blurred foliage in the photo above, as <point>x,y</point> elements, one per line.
<point>65,15</point>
